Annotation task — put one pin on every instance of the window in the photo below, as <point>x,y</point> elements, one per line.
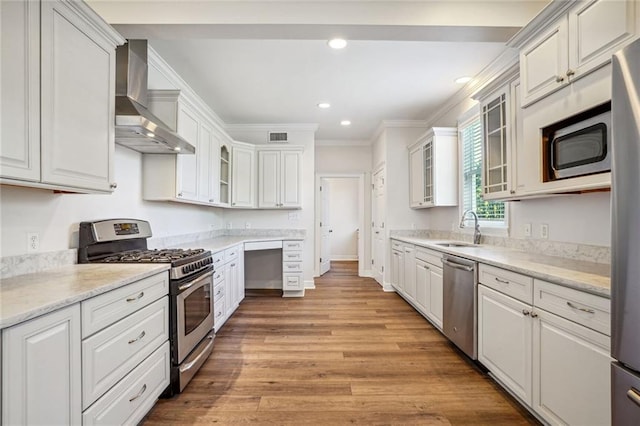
<point>491,213</point>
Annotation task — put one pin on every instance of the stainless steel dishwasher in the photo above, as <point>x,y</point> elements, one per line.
<point>459,310</point>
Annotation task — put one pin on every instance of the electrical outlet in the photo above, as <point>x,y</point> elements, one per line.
<point>33,242</point>
<point>413,226</point>
<point>544,231</point>
<point>527,229</point>
<point>229,225</point>
<point>247,225</point>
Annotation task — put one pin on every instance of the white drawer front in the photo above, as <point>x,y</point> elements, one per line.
<point>219,313</point>
<point>218,259</point>
<point>109,355</point>
<point>131,399</point>
<point>104,310</point>
<point>231,254</point>
<point>583,308</point>
<point>429,256</point>
<point>292,282</point>
<point>288,267</point>
<point>218,275</point>
<point>510,283</point>
<point>291,245</point>
<point>218,291</point>
<point>396,245</point>
<point>292,256</point>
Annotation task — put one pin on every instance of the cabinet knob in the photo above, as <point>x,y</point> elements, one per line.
<point>233,204</point>
<point>526,313</point>
<point>534,315</point>
<point>113,185</point>
<point>513,191</point>
<point>559,79</point>
<point>570,72</point>
<point>179,194</point>
<point>211,200</point>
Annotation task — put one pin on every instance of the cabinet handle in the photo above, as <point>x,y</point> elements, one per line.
<point>233,264</point>
<point>502,281</point>
<point>559,79</point>
<point>534,315</point>
<point>634,396</point>
<point>570,72</point>
<point>133,398</point>
<point>233,204</point>
<point>512,191</point>
<point>179,194</point>
<point>133,299</point>
<point>218,293</point>
<point>217,261</point>
<point>137,338</point>
<point>114,185</point>
<point>219,314</point>
<point>589,311</point>
<point>526,313</point>
<point>426,267</point>
<point>212,200</point>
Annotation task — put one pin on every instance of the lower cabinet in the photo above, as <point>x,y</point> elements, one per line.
<point>228,284</point>
<point>409,267</point>
<point>41,374</point>
<point>397,267</point>
<point>292,266</point>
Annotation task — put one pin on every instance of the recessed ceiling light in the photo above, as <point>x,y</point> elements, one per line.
<point>151,134</point>
<point>337,43</point>
<point>463,80</point>
<point>324,105</point>
<point>345,123</point>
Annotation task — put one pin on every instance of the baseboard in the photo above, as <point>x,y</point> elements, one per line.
<point>345,257</point>
<point>296,293</point>
<point>367,273</point>
<point>309,284</point>
<point>387,287</point>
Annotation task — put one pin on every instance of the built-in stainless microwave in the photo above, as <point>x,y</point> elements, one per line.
<point>581,148</point>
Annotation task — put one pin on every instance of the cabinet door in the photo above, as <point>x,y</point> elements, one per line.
<point>435,296</point>
<point>205,183</point>
<point>291,179</point>
<point>225,174</point>
<point>269,179</point>
<point>416,177</point>
<point>187,170</point>
<point>78,95</point>
<point>41,381</point>
<point>242,177</point>
<point>496,127</point>
<point>20,90</point>
<point>428,173</point>
<point>422,277</point>
<point>598,28</point>
<point>504,340</point>
<point>231,271</point>
<point>409,273</point>
<point>544,63</point>
<point>571,371</point>
<point>214,168</point>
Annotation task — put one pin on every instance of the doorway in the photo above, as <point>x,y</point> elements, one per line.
<point>339,220</point>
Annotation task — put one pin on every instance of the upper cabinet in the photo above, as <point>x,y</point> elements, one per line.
<point>184,178</point>
<point>57,96</point>
<point>243,175</point>
<point>225,174</point>
<point>433,169</point>
<point>279,177</point>
<point>579,41</point>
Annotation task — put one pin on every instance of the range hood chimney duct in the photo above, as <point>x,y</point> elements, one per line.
<point>136,127</point>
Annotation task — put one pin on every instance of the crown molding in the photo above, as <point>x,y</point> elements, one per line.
<point>343,142</point>
<point>547,15</point>
<point>96,21</point>
<point>397,124</point>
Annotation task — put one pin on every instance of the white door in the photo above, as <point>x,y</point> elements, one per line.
<point>436,299</point>
<point>187,170</point>
<point>242,177</point>
<point>422,278</point>
<point>290,182</point>
<point>378,216</point>
<point>416,177</point>
<point>269,179</point>
<point>325,227</point>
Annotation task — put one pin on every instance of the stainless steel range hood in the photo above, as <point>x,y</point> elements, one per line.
<point>136,127</point>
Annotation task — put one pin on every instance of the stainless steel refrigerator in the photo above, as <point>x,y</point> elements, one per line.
<point>625,242</point>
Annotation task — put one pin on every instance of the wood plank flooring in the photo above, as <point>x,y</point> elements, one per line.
<point>346,353</point>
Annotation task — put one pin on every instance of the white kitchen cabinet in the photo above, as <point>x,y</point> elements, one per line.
<point>279,178</point>
<point>571,370</point>
<point>505,341</point>
<point>190,178</point>
<point>433,169</point>
<point>577,42</point>
<point>49,138</point>
<point>292,266</point>
<point>41,375</point>
<point>436,296</point>
<point>423,291</point>
<point>228,282</point>
<point>225,174</point>
<point>243,175</point>
<point>409,275</point>
<point>397,267</point>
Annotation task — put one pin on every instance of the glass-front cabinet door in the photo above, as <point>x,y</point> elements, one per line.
<point>428,172</point>
<point>224,174</point>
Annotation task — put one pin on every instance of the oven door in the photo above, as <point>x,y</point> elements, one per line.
<point>194,309</point>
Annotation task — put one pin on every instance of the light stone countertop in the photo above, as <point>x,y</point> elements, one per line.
<point>221,243</point>
<point>27,296</point>
<point>585,276</point>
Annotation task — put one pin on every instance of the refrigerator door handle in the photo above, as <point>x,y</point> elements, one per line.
<point>634,396</point>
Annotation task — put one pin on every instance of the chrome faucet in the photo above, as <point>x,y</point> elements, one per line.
<point>476,233</point>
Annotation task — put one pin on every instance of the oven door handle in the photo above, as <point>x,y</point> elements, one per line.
<point>188,365</point>
<point>197,280</point>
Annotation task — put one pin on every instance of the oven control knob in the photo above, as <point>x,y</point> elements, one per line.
<point>184,269</point>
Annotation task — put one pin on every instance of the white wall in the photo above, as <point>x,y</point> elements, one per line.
<point>343,218</point>
<point>282,219</point>
<point>56,216</point>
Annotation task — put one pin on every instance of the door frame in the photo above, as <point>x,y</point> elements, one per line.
<point>361,215</point>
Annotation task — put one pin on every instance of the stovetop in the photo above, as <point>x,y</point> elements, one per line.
<point>173,256</point>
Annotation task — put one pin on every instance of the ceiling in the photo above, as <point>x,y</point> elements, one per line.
<point>265,61</point>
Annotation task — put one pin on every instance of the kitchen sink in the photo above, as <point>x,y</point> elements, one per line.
<point>455,244</point>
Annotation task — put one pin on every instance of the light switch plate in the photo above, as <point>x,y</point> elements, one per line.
<point>527,229</point>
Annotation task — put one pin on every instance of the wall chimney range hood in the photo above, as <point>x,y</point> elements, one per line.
<point>136,127</point>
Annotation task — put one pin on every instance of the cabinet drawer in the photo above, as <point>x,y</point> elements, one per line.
<point>395,245</point>
<point>511,283</point>
<point>231,254</point>
<point>131,399</point>
<point>101,311</point>
<point>583,308</point>
<point>292,282</point>
<point>218,291</point>
<point>109,355</point>
<point>429,256</point>
<point>291,267</point>
<point>219,311</point>
<point>218,275</point>
<point>218,259</point>
<point>291,245</point>
<point>295,256</point>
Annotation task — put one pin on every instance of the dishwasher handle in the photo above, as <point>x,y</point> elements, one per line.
<point>457,265</point>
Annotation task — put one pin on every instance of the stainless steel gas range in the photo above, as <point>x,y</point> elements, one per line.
<point>190,287</point>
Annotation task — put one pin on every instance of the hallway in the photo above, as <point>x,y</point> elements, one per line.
<point>346,353</point>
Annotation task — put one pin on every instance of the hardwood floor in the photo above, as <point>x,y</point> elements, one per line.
<point>345,353</point>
